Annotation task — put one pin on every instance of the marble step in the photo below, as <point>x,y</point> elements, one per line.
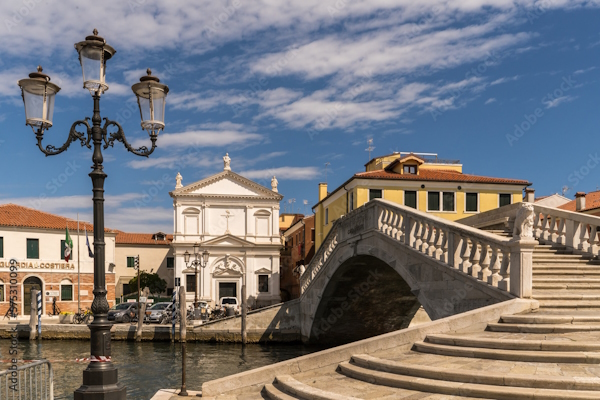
<point>542,328</point>
<point>291,386</point>
<point>512,344</point>
<point>573,304</point>
<point>567,272</point>
<point>566,285</point>
<point>460,388</point>
<point>471,376</point>
<point>565,357</point>
<point>566,280</point>
<point>271,392</point>
<point>536,318</point>
<point>550,295</point>
<point>565,261</point>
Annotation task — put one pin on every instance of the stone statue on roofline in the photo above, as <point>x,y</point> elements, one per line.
<point>178,180</point>
<point>274,183</point>
<point>227,162</point>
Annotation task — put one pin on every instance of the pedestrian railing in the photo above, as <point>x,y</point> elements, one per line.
<point>33,381</point>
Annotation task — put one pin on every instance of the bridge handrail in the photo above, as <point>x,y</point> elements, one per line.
<point>320,257</point>
<point>31,381</point>
<point>572,229</point>
<point>502,262</point>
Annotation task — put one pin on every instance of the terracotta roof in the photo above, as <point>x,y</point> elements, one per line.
<point>440,176</point>
<point>592,201</point>
<point>141,238</point>
<point>25,217</point>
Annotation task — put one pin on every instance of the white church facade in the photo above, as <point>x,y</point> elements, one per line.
<point>236,221</point>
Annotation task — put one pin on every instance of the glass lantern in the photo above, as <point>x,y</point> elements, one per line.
<point>38,96</point>
<point>151,95</point>
<point>93,54</point>
<point>186,257</point>
<point>205,255</point>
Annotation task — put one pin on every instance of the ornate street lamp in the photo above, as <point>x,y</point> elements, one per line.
<point>100,379</point>
<point>196,262</point>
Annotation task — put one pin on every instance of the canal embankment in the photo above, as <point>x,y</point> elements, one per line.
<point>274,324</point>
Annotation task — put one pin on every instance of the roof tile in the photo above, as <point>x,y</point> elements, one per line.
<point>25,217</point>
<point>438,175</point>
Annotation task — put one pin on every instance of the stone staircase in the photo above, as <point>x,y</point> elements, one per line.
<point>553,353</point>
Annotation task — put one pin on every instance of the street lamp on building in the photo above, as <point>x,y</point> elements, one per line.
<point>100,379</point>
<point>196,262</point>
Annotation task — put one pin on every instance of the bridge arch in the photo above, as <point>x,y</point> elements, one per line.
<point>364,297</point>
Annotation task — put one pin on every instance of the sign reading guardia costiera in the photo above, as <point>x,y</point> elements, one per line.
<point>38,265</point>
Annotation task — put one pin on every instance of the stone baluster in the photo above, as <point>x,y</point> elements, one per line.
<point>496,266</point>
<point>465,255</point>
<point>455,243</point>
<point>504,284</point>
<point>485,262</point>
<point>585,237</point>
<point>573,233</point>
<point>419,228</point>
<point>400,224</point>
<point>410,226</point>
<point>432,240</point>
<point>545,227</point>
<point>537,225</point>
<point>475,258</point>
<point>427,232</point>
<point>381,219</point>
<point>593,240</point>
<point>561,232</point>
<point>553,233</point>
<point>441,249</point>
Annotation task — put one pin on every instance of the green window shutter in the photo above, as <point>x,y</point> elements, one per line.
<point>375,194</point>
<point>433,201</point>
<point>471,205</point>
<point>263,283</point>
<point>2,293</point>
<point>33,250</point>
<point>62,249</point>
<point>410,199</point>
<point>505,199</point>
<point>170,262</point>
<point>448,201</point>
<point>66,292</point>
<point>1,250</point>
<point>130,262</point>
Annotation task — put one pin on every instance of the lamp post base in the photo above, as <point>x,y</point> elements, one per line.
<point>100,384</point>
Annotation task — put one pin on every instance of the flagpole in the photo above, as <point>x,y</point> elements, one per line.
<point>78,276</point>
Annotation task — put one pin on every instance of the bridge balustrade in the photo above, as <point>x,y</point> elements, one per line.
<point>505,263</point>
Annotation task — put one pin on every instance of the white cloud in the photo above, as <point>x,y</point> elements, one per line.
<point>289,173</point>
<point>204,138</point>
<point>504,80</point>
<point>583,71</point>
<point>559,100</point>
<point>490,100</point>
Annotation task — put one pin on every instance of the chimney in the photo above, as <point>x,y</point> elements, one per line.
<point>579,201</point>
<point>322,191</point>
<point>529,195</point>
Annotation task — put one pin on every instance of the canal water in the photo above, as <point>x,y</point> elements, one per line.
<point>149,366</point>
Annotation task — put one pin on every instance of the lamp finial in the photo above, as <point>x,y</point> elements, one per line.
<point>95,32</point>
<point>39,68</point>
<point>149,71</point>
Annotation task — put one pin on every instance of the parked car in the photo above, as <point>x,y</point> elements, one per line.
<point>123,312</point>
<point>230,302</point>
<point>157,310</point>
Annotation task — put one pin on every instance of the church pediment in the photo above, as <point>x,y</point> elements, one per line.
<point>263,271</point>
<point>228,240</point>
<point>227,184</point>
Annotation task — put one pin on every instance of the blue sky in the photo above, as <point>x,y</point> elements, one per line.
<point>511,88</point>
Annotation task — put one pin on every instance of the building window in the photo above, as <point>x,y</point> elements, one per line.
<point>33,248</point>
<point>170,262</point>
<point>471,204</point>
<point>66,290</point>
<point>326,216</point>
<point>504,199</point>
<point>130,262</point>
<point>190,283</point>
<point>448,201</point>
<point>312,234</point>
<point>62,249</point>
<point>126,289</point>
<point>433,201</point>
<point>1,247</point>
<point>263,283</point>
<point>375,194</point>
<point>2,291</point>
<point>410,198</point>
<point>169,292</point>
<point>410,169</point>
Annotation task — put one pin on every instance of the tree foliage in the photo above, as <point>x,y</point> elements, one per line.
<point>153,282</point>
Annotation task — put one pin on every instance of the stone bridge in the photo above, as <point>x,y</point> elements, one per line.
<point>381,262</point>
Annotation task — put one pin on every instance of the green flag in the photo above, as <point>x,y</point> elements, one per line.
<point>68,246</point>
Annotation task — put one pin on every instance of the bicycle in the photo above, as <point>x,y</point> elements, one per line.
<point>83,316</point>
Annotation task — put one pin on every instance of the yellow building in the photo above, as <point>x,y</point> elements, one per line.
<point>421,181</point>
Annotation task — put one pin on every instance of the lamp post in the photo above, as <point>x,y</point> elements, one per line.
<point>100,378</point>
<point>196,262</point>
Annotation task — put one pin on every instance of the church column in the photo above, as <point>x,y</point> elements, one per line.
<point>249,225</point>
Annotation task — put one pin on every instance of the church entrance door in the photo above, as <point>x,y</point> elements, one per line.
<point>227,289</point>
